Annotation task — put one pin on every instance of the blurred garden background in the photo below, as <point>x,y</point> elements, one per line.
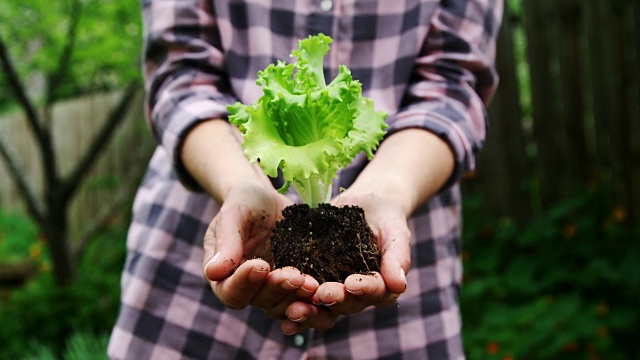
<point>551,247</point>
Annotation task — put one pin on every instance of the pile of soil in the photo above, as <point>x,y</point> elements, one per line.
<point>328,242</point>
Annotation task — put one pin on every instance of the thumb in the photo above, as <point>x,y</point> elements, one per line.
<point>396,256</point>
<point>223,247</point>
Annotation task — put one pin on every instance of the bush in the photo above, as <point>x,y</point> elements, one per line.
<point>80,346</point>
<point>17,237</point>
<point>42,317</point>
<point>562,286</point>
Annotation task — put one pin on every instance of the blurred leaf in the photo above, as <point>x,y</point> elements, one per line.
<point>17,234</point>
<point>107,51</point>
<point>84,345</point>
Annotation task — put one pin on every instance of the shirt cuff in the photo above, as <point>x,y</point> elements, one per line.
<point>450,127</point>
<point>185,116</point>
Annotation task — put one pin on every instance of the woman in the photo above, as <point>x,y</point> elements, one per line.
<point>202,208</point>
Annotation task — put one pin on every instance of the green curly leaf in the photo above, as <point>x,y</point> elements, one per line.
<point>307,128</point>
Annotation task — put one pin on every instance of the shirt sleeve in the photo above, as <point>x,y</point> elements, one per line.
<point>184,72</point>
<point>454,78</point>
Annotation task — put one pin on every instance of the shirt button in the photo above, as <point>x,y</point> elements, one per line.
<point>326,5</point>
<point>298,340</point>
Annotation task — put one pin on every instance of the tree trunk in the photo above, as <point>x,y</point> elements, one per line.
<point>569,22</point>
<point>603,98</point>
<point>636,18</point>
<point>56,229</point>
<point>624,171</point>
<point>635,123</point>
<point>502,163</point>
<point>611,71</point>
<point>546,124</point>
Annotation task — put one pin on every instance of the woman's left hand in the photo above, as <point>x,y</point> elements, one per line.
<point>388,222</point>
<point>410,166</point>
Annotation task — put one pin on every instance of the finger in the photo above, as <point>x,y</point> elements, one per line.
<point>349,304</point>
<point>338,301</point>
<point>289,327</point>
<point>238,290</point>
<point>368,288</point>
<point>331,293</point>
<point>223,247</point>
<point>288,294</point>
<point>359,292</point>
<point>308,289</point>
<point>280,284</point>
<point>396,256</point>
<point>394,272</point>
<point>302,315</point>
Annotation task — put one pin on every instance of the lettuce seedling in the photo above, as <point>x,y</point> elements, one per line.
<point>307,128</point>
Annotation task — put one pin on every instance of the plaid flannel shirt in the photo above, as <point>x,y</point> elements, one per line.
<point>427,63</point>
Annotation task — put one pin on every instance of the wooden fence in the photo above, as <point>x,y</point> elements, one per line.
<point>74,123</point>
<point>567,114</point>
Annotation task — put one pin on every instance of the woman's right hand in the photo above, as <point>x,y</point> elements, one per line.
<point>237,259</point>
<point>236,245</point>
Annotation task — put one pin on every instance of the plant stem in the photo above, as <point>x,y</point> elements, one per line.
<point>315,190</point>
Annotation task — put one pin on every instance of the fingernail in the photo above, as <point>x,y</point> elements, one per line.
<point>309,291</point>
<point>213,260</point>
<point>288,334</point>
<point>287,285</point>
<point>355,292</point>
<point>403,276</point>
<point>257,275</point>
<point>330,304</point>
<point>301,319</point>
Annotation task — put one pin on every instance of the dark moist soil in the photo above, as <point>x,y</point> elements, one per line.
<point>328,242</point>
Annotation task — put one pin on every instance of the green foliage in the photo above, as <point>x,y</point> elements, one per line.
<point>80,346</point>
<point>106,51</point>
<point>43,318</point>
<point>18,237</point>
<point>563,286</point>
